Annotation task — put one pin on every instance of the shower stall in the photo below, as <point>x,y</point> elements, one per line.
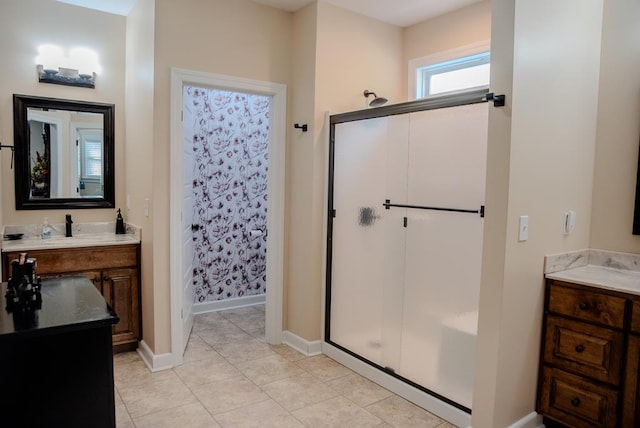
<point>404,244</point>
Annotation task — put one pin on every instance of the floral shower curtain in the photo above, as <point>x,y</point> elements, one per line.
<point>230,144</point>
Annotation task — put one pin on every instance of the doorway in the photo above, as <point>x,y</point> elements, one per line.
<point>229,135</point>
<point>181,247</point>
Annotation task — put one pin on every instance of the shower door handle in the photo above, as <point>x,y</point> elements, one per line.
<point>387,205</point>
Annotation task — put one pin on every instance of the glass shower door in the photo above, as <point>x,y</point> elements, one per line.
<point>447,169</point>
<point>368,241</point>
<point>405,277</point>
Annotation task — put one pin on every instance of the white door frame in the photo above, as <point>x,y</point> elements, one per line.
<point>275,201</point>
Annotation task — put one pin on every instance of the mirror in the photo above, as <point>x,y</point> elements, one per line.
<point>64,153</point>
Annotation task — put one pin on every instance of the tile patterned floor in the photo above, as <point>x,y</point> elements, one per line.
<point>232,378</point>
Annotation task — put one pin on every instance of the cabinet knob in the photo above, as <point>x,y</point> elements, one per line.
<point>584,306</point>
<point>575,402</point>
<point>105,278</point>
<point>580,349</point>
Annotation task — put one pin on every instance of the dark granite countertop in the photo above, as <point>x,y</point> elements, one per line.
<point>68,303</point>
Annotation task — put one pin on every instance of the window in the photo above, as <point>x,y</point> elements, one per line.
<point>462,73</point>
<point>92,156</point>
<point>450,71</point>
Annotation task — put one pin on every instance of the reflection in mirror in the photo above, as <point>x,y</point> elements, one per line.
<point>60,169</point>
<point>64,153</point>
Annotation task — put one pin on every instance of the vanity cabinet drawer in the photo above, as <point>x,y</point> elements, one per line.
<point>577,402</point>
<point>65,261</point>
<point>635,317</point>
<point>587,305</point>
<point>584,349</point>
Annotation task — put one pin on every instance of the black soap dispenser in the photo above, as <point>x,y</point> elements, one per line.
<point>120,224</point>
<point>67,229</point>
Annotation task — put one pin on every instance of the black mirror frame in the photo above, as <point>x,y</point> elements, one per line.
<point>22,162</point>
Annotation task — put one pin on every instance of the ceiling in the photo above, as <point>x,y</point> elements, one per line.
<point>402,13</point>
<point>119,7</point>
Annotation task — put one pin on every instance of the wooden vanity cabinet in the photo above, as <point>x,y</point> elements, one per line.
<point>113,270</point>
<point>590,357</point>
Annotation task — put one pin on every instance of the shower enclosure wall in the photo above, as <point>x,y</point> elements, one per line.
<point>406,194</point>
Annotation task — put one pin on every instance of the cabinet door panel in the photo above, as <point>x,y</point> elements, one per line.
<point>631,406</point>
<point>120,288</point>
<point>635,317</point>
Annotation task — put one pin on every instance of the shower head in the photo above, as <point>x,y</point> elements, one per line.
<point>377,101</point>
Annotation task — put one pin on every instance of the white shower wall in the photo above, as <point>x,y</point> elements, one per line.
<point>406,298</point>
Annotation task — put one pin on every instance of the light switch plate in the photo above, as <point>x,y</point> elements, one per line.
<point>569,222</point>
<point>523,233</point>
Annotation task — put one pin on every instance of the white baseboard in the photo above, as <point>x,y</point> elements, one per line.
<point>155,363</point>
<point>220,305</point>
<point>308,348</point>
<point>532,420</point>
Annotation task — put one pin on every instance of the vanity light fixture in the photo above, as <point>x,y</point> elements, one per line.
<point>77,69</point>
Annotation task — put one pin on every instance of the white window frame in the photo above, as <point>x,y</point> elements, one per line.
<point>425,61</point>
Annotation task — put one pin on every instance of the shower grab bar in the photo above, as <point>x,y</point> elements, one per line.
<point>387,204</point>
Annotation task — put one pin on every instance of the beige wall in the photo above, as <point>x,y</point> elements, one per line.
<point>495,223</point>
<point>551,155</point>
<point>27,24</point>
<point>300,156</point>
<point>463,27</point>
<point>139,133</point>
<point>618,130</point>
<point>355,53</point>
<point>352,53</point>
<point>237,38</point>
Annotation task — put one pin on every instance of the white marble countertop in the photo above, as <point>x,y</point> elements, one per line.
<point>627,281</point>
<point>84,235</point>
<point>87,240</point>
<point>596,268</point>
